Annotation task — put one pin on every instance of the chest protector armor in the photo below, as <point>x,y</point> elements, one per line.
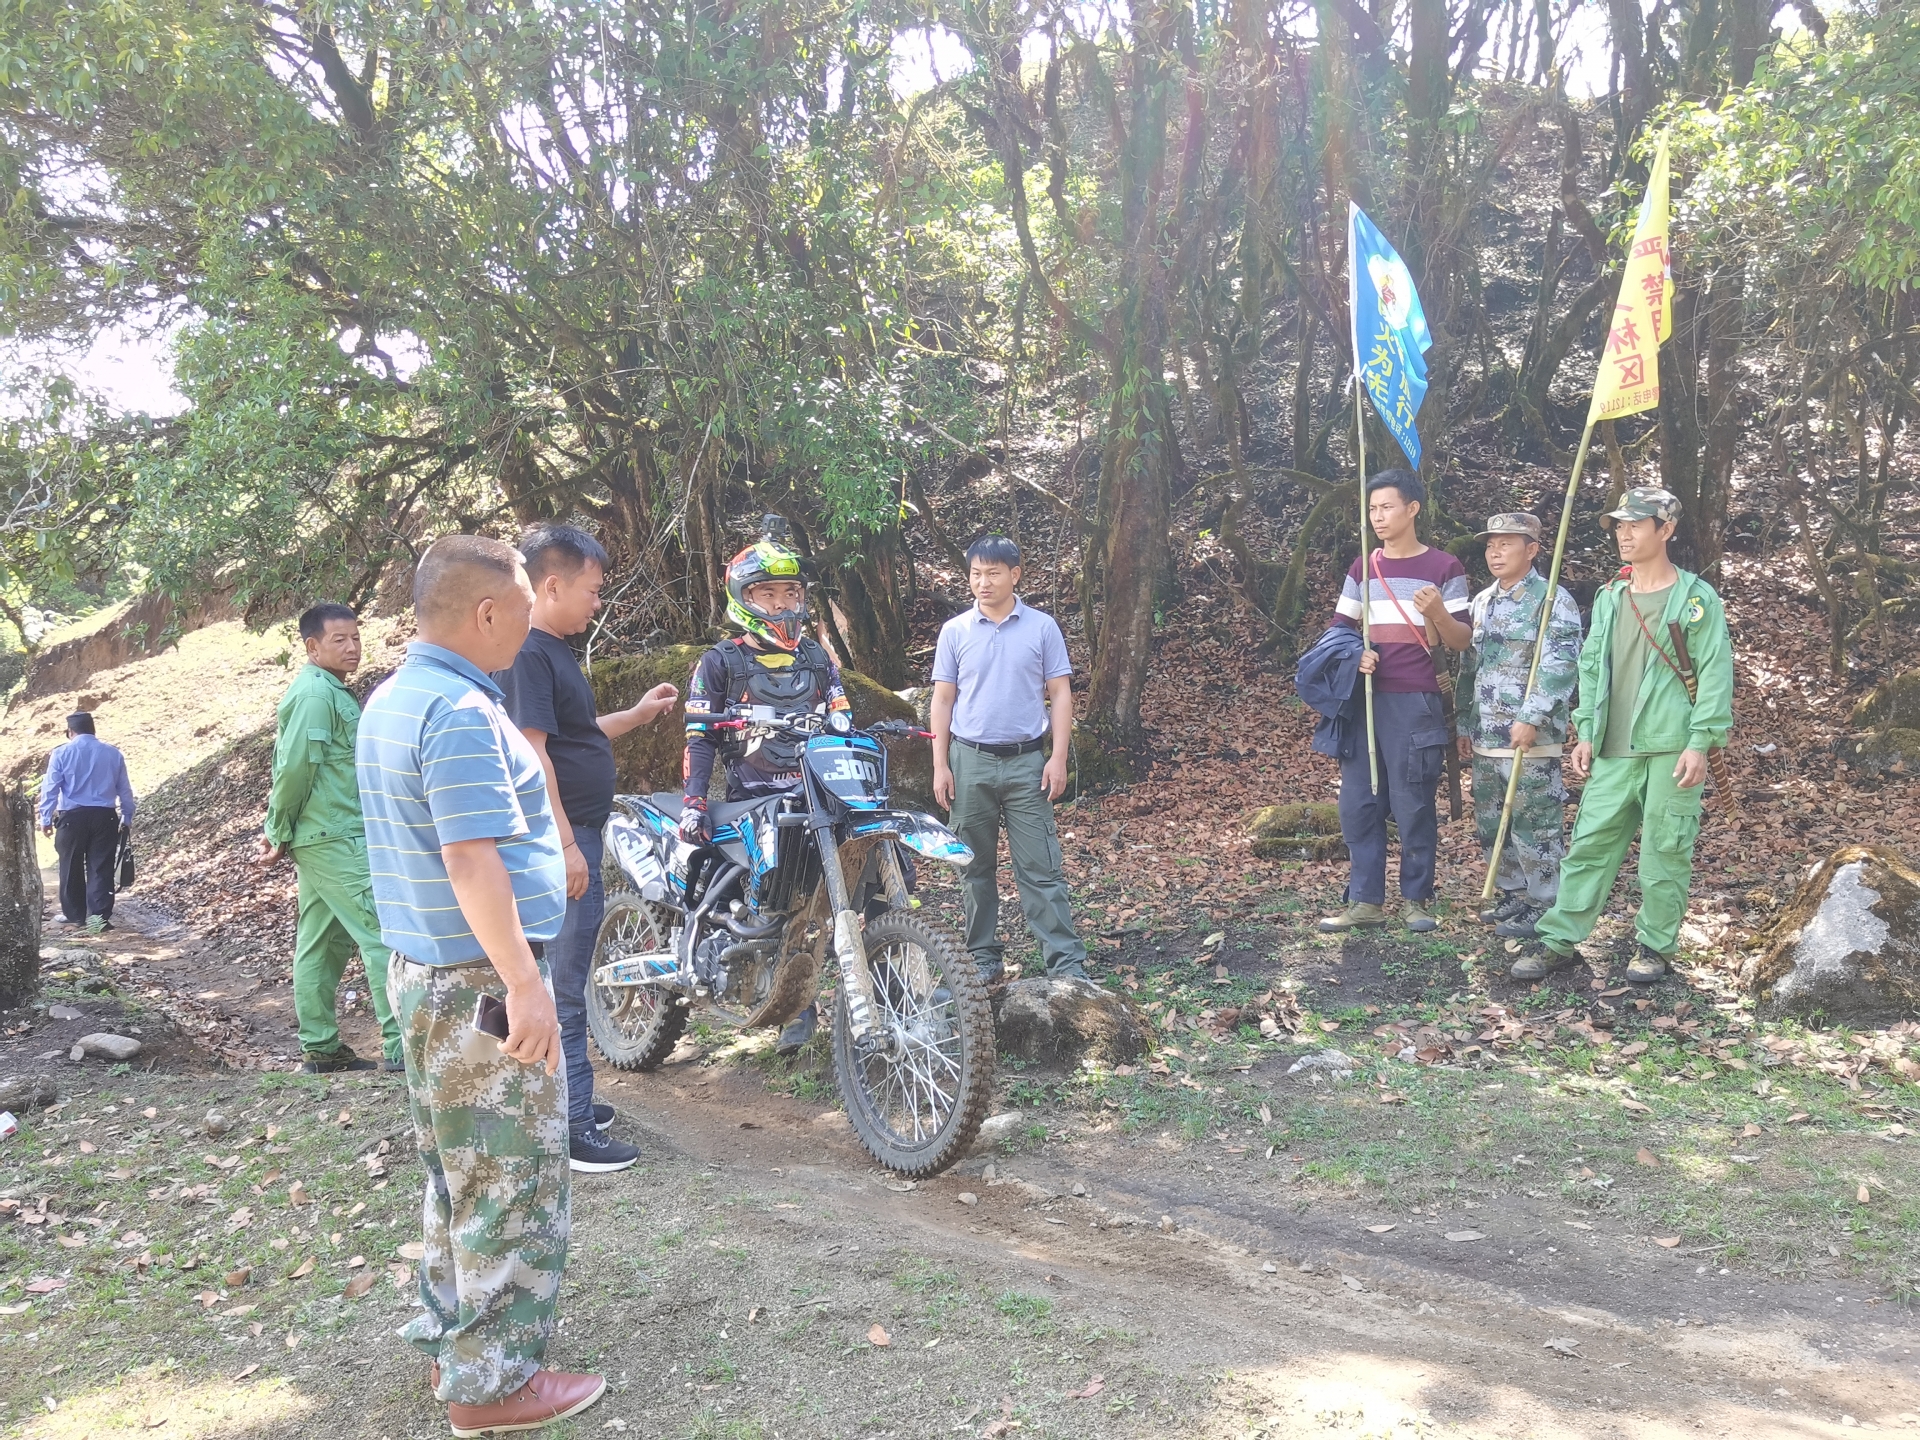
<point>800,685</point>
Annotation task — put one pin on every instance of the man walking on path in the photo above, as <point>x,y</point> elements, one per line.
<point>85,779</point>
<point>313,811</point>
<point>470,884</point>
<point>1412,595</point>
<point>1495,725</point>
<point>550,700</point>
<point>1642,741</point>
<point>1002,683</point>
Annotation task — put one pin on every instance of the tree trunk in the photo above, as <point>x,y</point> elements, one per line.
<point>1680,416</point>
<point>870,599</point>
<point>20,899</point>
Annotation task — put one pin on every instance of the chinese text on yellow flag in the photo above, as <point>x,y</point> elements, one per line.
<point>1629,378</point>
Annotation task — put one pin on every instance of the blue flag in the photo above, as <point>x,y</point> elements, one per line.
<point>1390,336</point>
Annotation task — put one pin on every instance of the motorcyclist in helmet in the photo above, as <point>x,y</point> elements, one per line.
<point>774,662</point>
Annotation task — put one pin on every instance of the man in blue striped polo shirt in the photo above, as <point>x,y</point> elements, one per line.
<point>470,884</point>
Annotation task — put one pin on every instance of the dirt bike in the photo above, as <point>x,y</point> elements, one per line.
<point>738,929</point>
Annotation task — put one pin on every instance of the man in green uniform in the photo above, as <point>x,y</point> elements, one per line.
<point>1642,741</point>
<point>1500,717</point>
<point>314,811</point>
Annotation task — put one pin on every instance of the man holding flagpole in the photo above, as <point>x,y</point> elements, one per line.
<point>1404,598</point>
<point>1656,671</point>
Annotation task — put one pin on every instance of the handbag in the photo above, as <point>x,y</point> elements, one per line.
<point>123,875</point>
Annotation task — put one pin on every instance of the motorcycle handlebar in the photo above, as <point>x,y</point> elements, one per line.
<point>803,722</point>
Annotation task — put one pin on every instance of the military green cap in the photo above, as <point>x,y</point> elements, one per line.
<point>1647,502</point>
<point>1517,522</point>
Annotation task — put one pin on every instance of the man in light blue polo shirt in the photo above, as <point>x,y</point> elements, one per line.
<point>470,884</point>
<point>1002,683</point>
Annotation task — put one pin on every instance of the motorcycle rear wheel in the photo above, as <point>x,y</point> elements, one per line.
<point>917,1103</point>
<point>635,1026</point>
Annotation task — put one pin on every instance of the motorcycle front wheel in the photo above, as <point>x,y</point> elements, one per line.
<point>916,1099</point>
<point>635,1026</point>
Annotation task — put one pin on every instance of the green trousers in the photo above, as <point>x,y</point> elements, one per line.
<point>987,792</point>
<point>336,918</point>
<point>498,1205</point>
<point>1624,797</point>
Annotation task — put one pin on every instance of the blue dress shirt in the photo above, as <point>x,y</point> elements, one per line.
<point>86,771</point>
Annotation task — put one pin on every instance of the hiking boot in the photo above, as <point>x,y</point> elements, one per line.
<point>992,972</point>
<point>334,1062</point>
<point>1359,916</point>
<point>595,1153</point>
<point>799,1031</point>
<point>1418,916</point>
<point>1072,970</point>
<point>393,1067</point>
<point>1519,925</point>
<point>602,1116</point>
<point>1510,903</point>
<point>1647,966</point>
<point>549,1396</point>
<point>1537,961</point>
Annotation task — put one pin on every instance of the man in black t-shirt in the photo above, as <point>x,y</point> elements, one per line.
<point>550,700</point>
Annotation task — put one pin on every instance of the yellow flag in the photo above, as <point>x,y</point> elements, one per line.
<point>1629,378</point>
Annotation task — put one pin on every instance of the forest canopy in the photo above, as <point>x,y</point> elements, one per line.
<point>665,267</point>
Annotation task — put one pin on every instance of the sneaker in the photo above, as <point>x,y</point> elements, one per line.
<point>1519,925</point>
<point>1072,970</point>
<point>549,1396</point>
<point>335,1062</point>
<point>992,972</point>
<point>1355,917</point>
<point>1647,966</point>
<point>599,1154</point>
<point>1537,961</point>
<point>98,925</point>
<point>602,1116</point>
<point>1418,917</point>
<point>1510,903</point>
<point>392,1067</point>
<point>799,1031</point>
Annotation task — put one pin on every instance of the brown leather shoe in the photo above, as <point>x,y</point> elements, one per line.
<point>549,1396</point>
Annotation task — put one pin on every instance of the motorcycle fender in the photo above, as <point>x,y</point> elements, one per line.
<point>638,859</point>
<point>921,834</point>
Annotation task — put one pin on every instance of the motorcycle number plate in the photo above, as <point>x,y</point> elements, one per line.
<point>852,768</point>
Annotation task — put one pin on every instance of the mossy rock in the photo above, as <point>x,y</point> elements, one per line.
<point>1897,748</point>
<point>1306,831</point>
<point>1893,705</point>
<point>1846,950</point>
<point>1095,765</point>
<point>649,758</point>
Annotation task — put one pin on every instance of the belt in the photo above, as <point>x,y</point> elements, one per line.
<point>1538,752</point>
<point>1005,752</point>
<point>539,948</point>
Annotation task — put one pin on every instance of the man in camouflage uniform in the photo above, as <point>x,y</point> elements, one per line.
<point>1499,718</point>
<point>470,885</point>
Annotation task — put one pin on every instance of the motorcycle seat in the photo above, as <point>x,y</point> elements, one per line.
<point>724,813</point>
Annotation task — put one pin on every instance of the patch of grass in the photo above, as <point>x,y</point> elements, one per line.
<point>1027,1314</point>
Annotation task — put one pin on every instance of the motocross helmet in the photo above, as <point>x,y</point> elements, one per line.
<point>768,558</point>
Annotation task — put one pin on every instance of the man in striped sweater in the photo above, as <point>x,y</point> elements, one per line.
<point>1415,597</point>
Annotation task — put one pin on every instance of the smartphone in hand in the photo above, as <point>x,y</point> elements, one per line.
<point>490,1017</point>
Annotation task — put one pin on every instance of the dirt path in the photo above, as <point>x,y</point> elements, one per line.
<point>1097,1283</point>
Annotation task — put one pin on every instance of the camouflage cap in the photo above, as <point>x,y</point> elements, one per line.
<point>1516,522</point>
<point>1647,502</point>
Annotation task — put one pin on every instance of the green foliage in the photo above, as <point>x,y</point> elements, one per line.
<point>1817,162</point>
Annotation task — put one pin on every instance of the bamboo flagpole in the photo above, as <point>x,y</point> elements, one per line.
<point>1366,575</point>
<point>1627,382</point>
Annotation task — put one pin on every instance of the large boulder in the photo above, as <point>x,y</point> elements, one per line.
<point>1045,1021</point>
<point>1309,831</point>
<point>648,759</point>
<point>1847,950</point>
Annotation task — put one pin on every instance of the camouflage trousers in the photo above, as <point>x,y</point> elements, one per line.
<point>1537,840</point>
<point>493,1137</point>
